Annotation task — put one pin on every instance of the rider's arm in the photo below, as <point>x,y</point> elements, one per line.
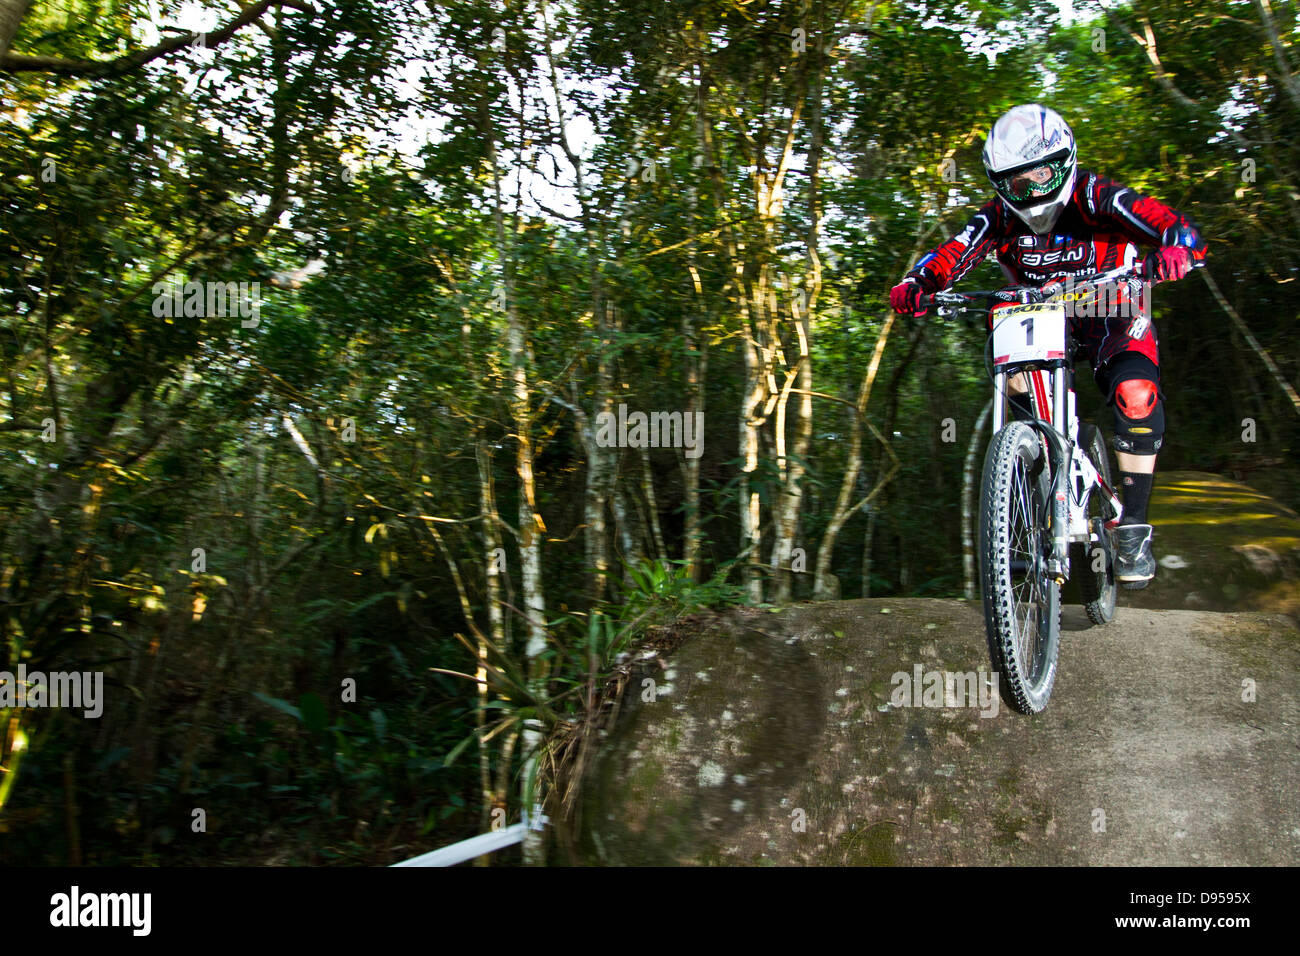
<point>1145,221</point>
<point>945,265</point>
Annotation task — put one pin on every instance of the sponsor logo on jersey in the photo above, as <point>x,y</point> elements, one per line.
<point>1073,254</point>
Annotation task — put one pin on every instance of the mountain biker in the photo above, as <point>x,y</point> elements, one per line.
<point>1049,222</point>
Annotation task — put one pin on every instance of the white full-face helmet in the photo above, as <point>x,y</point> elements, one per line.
<point>1030,158</point>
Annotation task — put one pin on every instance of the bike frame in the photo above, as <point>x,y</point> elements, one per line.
<point>1074,477</point>
<point>1047,375</point>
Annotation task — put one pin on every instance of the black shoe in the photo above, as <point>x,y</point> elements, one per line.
<point>1134,563</point>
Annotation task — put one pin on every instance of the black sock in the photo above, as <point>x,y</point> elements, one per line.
<point>1137,492</point>
<point>1019,406</point>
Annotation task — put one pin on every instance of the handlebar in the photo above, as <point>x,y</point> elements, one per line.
<point>1030,294</point>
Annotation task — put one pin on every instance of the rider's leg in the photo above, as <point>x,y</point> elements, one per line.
<point>1139,432</point>
<point>1019,405</point>
<point>1133,383</point>
<point>1138,475</point>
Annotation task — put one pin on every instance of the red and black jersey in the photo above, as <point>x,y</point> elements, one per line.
<point>1100,229</point>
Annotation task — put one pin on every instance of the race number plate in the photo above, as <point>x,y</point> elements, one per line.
<point>1029,333</point>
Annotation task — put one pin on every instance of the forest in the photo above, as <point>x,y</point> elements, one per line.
<point>378,376</point>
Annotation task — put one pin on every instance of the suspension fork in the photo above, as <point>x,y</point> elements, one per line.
<point>999,402</point>
<point>1059,448</point>
<point>1059,562</point>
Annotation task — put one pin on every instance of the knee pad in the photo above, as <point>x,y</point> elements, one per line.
<point>1139,416</point>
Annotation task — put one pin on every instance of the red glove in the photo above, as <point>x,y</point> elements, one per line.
<point>905,298</point>
<point>1172,263</point>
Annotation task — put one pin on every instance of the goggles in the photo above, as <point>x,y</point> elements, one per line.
<point>1033,182</point>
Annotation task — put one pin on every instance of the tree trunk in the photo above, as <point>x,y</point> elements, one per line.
<point>789,505</point>
<point>696,370</point>
<point>600,461</point>
<point>697,359</point>
<point>803,307</point>
<point>628,534</point>
<point>595,541</point>
<point>867,540</point>
<point>496,624</point>
<point>652,507</point>
<point>12,13</point>
<point>531,527</point>
<point>842,512</point>
<point>750,531</point>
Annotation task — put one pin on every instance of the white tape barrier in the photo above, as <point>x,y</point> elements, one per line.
<point>476,846</point>
<point>468,849</point>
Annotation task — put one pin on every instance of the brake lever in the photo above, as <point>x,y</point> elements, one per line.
<point>1145,271</point>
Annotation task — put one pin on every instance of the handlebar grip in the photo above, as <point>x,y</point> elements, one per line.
<point>1147,266</point>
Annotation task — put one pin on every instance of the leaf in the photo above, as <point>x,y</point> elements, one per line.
<point>457,750</point>
<point>279,704</point>
<point>361,606</point>
<point>313,618</point>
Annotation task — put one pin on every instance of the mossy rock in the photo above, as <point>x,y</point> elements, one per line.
<point>776,739</point>
<point>700,748</point>
<point>1169,738</point>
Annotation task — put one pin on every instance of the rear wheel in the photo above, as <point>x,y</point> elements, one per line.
<point>1022,604</point>
<point>1093,564</point>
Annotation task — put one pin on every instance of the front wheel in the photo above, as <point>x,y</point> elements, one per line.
<point>1022,604</point>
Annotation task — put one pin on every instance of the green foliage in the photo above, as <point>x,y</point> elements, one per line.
<point>659,591</point>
